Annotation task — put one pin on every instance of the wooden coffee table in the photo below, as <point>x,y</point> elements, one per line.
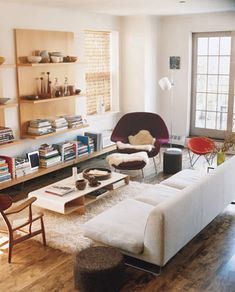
<point>76,200</point>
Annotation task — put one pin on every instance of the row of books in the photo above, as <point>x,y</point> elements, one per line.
<point>45,126</point>
<point>6,135</point>
<point>49,155</point>
<point>5,174</point>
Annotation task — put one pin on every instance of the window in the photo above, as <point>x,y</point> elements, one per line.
<point>213,107</point>
<point>98,76</point>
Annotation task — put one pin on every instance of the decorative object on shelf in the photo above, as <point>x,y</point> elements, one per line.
<point>30,97</point>
<point>4,100</point>
<point>78,91</point>
<point>55,59</point>
<point>99,173</point>
<point>33,158</point>
<point>34,59</point>
<point>81,184</point>
<point>70,59</point>
<point>2,60</point>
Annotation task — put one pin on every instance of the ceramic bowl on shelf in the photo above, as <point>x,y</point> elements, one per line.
<point>56,59</point>
<point>70,59</point>
<point>2,60</point>
<point>34,59</point>
<point>4,100</point>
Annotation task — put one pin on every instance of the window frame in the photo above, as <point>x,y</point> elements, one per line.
<point>215,133</point>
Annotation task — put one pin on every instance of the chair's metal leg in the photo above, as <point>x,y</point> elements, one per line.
<point>142,173</point>
<point>10,248</point>
<point>155,166</point>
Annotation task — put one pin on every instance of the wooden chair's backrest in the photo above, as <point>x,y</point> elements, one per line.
<point>5,202</point>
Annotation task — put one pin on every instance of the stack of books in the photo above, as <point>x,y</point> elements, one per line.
<point>22,167</point>
<point>91,145</point>
<point>67,150</point>
<point>82,149</point>
<point>59,124</point>
<point>40,127</point>
<point>6,135</point>
<point>5,174</point>
<point>48,156</point>
<point>74,121</point>
<point>86,140</point>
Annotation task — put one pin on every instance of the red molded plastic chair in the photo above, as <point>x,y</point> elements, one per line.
<point>132,123</point>
<point>201,146</point>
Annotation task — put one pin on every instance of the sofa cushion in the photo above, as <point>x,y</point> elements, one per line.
<point>183,178</point>
<point>121,226</point>
<point>157,194</point>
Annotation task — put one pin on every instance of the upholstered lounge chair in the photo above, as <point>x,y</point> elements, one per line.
<point>132,123</point>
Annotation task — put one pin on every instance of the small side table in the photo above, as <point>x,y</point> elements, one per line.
<point>99,269</point>
<point>172,160</point>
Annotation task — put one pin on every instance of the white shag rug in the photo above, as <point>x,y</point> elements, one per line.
<point>65,232</point>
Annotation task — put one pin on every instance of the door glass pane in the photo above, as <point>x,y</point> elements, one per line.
<point>200,119</point>
<point>210,120</point>
<point>202,46</point>
<point>214,46</point>
<point>213,65</point>
<point>212,102</point>
<point>224,65</point>
<point>201,83</point>
<point>202,65</point>
<point>201,101</point>
<point>221,121</point>
<point>212,84</point>
<point>222,102</point>
<point>223,84</point>
<point>225,45</point>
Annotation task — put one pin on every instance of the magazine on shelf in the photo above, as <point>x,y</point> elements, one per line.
<point>59,190</point>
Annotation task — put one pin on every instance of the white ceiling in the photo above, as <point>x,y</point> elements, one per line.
<point>137,7</point>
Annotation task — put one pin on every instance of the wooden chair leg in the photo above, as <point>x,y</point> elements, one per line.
<point>43,232</point>
<point>10,248</point>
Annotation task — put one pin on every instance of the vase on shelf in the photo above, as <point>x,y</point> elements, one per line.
<point>220,157</point>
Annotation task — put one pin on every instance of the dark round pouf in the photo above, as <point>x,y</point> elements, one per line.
<point>99,269</point>
<point>172,161</point>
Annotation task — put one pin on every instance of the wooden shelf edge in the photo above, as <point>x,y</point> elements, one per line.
<point>10,144</point>
<point>43,171</point>
<point>46,64</point>
<point>28,136</point>
<point>7,105</point>
<point>49,99</point>
<point>7,66</point>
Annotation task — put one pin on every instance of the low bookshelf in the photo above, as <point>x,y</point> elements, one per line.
<point>43,171</point>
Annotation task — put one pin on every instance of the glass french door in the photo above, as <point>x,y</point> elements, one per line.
<point>213,106</point>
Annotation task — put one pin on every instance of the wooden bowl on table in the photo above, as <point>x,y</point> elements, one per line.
<point>100,173</point>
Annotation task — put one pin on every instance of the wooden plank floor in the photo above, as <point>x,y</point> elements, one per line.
<point>207,263</point>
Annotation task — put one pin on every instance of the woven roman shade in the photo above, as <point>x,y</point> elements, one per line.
<point>98,83</point>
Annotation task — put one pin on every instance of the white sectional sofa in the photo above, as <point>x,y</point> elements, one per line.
<point>156,224</point>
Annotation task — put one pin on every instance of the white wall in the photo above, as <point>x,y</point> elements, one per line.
<point>139,39</point>
<point>29,17</point>
<point>175,35</point>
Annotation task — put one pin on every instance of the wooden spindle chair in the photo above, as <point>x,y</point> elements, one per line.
<point>11,227</point>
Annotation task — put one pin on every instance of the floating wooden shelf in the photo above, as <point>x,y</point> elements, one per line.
<point>28,136</point>
<point>22,100</point>
<point>10,144</point>
<point>46,64</point>
<point>43,171</point>
<point>7,105</point>
<point>7,66</point>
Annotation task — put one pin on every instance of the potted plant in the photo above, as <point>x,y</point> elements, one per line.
<point>229,141</point>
